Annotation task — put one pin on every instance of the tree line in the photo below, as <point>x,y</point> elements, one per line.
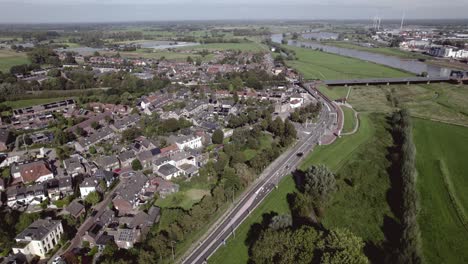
<point>409,249</point>
<point>300,238</point>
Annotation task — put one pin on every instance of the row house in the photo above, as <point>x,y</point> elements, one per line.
<point>83,144</point>
<point>124,123</point>
<point>127,196</point>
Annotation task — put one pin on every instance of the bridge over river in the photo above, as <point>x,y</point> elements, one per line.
<point>390,81</point>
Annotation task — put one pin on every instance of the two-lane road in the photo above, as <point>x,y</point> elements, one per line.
<point>279,168</point>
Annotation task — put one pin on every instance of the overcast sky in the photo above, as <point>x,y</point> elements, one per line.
<point>44,11</point>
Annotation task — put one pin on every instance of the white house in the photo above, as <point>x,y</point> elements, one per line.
<point>39,238</point>
<point>168,171</point>
<point>88,186</point>
<point>192,142</point>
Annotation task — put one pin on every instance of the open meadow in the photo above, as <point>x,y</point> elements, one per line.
<point>441,102</point>
<point>321,65</point>
<point>9,58</point>
<point>441,152</point>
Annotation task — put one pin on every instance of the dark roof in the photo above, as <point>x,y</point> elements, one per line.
<point>4,136</point>
<point>38,230</point>
<point>75,208</point>
<point>94,230</point>
<point>104,174</point>
<point>167,169</point>
<point>104,239</point>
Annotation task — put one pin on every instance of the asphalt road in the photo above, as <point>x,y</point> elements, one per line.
<point>285,164</point>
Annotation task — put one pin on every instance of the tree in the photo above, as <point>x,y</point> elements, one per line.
<point>341,246</point>
<point>136,165</point>
<point>95,125</point>
<point>92,150</point>
<point>189,59</point>
<point>80,131</point>
<point>93,198</point>
<point>217,137</point>
<point>280,222</point>
<point>285,246</point>
<point>62,137</point>
<point>131,133</point>
<point>319,184</point>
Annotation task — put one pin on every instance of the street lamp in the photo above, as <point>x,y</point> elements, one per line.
<point>172,247</point>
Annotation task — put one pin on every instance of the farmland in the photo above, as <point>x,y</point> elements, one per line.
<point>10,58</point>
<point>441,165</point>
<point>247,46</point>
<point>320,65</point>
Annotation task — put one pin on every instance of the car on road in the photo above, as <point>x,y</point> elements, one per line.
<point>300,154</point>
<point>58,260</point>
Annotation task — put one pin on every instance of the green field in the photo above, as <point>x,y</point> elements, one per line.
<point>442,102</point>
<point>342,154</point>
<point>159,54</point>
<point>441,160</point>
<point>320,65</point>
<point>31,102</point>
<point>333,92</point>
<point>9,58</point>
<point>349,119</point>
<point>248,46</point>
<point>184,199</point>
<point>360,204</point>
<point>396,52</point>
<point>265,142</point>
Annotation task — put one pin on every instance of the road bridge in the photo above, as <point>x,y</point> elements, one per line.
<point>390,81</point>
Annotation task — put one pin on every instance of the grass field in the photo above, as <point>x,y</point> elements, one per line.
<point>336,156</point>
<point>380,50</point>
<point>349,119</point>
<point>265,142</point>
<point>158,54</point>
<point>333,92</point>
<point>31,102</point>
<point>360,204</point>
<point>320,65</point>
<point>443,235</point>
<point>443,102</point>
<point>10,58</point>
<point>248,46</point>
<point>184,199</point>
<point>190,192</point>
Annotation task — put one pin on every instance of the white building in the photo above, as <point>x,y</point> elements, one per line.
<point>192,142</point>
<point>39,238</point>
<point>88,186</point>
<point>448,52</point>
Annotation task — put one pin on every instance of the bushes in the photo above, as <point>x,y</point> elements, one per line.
<point>409,250</point>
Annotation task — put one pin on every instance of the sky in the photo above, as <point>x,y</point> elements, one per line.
<point>59,11</point>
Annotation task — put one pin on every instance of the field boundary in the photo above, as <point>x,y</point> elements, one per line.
<point>438,120</point>
<point>460,211</point>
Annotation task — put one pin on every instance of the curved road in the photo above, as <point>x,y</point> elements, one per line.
<point>282,166</point>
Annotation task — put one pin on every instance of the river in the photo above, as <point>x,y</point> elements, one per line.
<point>409,65</point>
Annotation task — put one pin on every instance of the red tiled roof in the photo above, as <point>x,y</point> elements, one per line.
<point>32,171</point>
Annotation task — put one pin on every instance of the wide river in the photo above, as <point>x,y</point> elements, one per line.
<point>409,65</point>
